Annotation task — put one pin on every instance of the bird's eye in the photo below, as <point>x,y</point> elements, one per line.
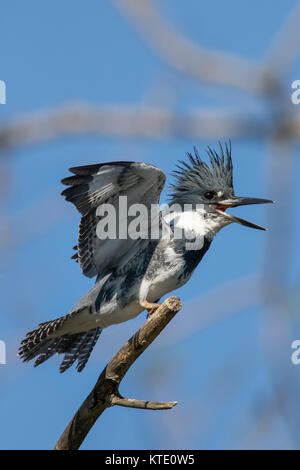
<point>209,194</point>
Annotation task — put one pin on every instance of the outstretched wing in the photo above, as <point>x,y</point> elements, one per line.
<point>94,185</point>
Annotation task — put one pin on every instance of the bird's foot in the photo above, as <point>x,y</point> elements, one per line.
<point>150,307</point>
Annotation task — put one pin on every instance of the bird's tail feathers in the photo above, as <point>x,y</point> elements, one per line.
<point>74,346</point>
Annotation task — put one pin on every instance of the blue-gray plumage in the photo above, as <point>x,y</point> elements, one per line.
<point>134,273</point>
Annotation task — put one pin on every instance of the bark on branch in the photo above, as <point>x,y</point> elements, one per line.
<point>106,391</point>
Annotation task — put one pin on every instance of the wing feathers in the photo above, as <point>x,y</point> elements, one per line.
<point>101,183</point>
<point>86,170</point>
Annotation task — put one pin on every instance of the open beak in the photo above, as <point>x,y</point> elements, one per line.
<point>235,201</point>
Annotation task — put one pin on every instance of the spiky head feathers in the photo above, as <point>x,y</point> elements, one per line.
<point>195,178</point>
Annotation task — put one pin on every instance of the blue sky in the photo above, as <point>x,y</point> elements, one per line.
<point>56,52</point>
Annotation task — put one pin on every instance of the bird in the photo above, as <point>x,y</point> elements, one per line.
<point>134,272</point>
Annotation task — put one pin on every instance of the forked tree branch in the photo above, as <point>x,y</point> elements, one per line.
<point>106,391</point>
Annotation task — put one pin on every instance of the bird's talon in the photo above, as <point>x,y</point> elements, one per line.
<point>150,307</point>
<point>151,311</point>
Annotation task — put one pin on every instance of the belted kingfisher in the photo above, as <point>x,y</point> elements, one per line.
<point>134,273</point>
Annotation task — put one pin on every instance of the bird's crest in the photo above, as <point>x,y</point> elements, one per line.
<point>196,175</point>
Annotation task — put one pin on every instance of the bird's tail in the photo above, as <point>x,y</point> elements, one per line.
<point>74,346</point>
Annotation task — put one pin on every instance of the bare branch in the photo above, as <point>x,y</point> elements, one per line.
<point>187,57</point>
<point>147,405</point>
<point>106,391</point>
